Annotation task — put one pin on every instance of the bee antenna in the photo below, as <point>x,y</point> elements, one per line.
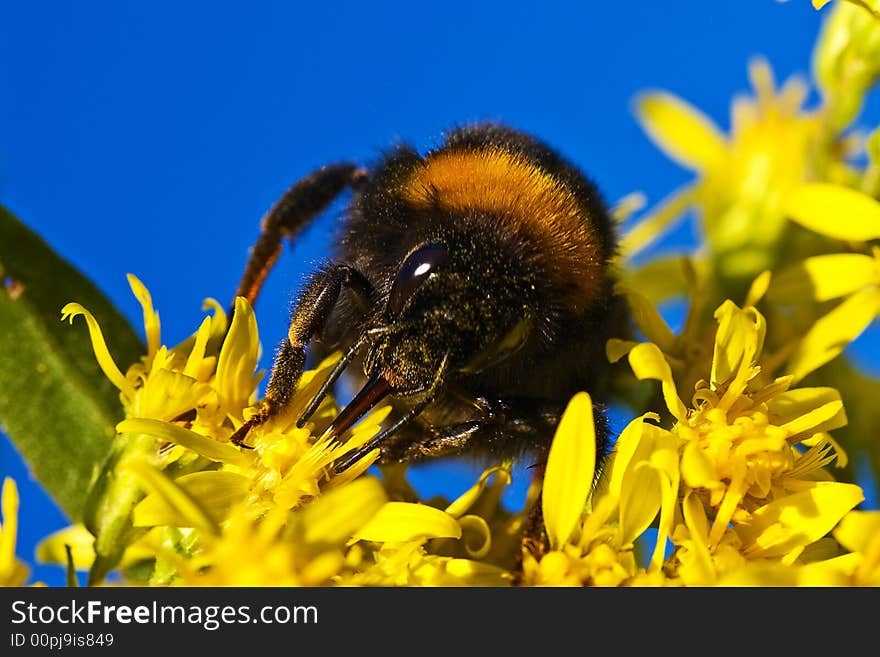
<point>330,380</point>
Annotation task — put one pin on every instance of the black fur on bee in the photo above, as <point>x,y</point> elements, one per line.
<point>471,285</point>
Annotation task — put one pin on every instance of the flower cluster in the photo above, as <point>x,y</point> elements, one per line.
<point>737,468</point>
<point>737,487</point>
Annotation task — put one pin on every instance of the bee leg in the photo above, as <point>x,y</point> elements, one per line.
<point>315,303</point>
<point>299,205</point>
<point>506,427</point>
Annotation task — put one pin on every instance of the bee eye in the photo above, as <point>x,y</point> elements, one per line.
<point>414,271</point>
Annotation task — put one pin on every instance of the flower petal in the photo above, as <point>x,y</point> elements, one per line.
<point>697,469</point>
<point>635,443</point>
<point>649,320</point>
<point>214,491</point>
<point>207,447</point>
<point>197,354</point>
<point>102,354</point>
<point>661,218</point>
<point>798,519</point>
<point>235,380</point>
<point>835,211</point>
<point>698,568</point>
<point>824,277</point>
<point>821,409</point>
<point>499,476</point>
<point>640,501</point>
<point>739,339</point>
<point>758,289</point>
<point>831,333</point>
<point>683,132</point>
<point>647,362</point>
<point>336,515</point>
<point>80,540</point>
<point>151,317</point>
<point>8,527</point>
<point>857,529</point>
<point>158,483</point>
<point>398,522</point>
<point>659,279</point>
<point>571,466</point>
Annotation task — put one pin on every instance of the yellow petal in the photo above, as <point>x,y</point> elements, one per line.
<point>831,333</point>
<point>647,362</point>
<point>798,519</point>
<point>571,466</point>
<point>477,536</point>
<point>826,415</point>
<point>665,461</point>
<point>214,491</point>
<point>398,522</point>
<point>158,483</point>
<point>625,448</point>
<point>151,317</point>
<point>615,349</point>
<point>499,475</point>
<point>238,359</point>
<point>763,573</point>
<point>207,447</point>
<point>337,514</point>
<point>857,529</point>
<point>597,517</point>
<point>658,279</point>
<point>697,468</point>
<point>792,404</point>
<point>738,341</point>
<point>102,354</point>
<point>649,320</point>
<point>683,132</point>
<point>758,289</point>
<point>197,354</point>
<point>80,540</point>
<point>824,277</point>
<point>640,501</point>
<point>660,219</point>
<point>830,572</point>
<point>219,320</point>
<point>834,211</point>
<point>628,206</point>
<point>699,568</point>
<point>9,526</point>
<point>168,393</point>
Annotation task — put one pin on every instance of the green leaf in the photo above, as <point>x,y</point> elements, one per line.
<point>55,403</point>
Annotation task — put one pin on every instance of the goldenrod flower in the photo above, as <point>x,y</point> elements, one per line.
<point>195,503</point>
<point>742,178</point>
<point>739,479</point>
<point>182,404</point>
<point>752,454</point>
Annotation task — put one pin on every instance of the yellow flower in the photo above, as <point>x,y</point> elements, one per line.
<point>12,571</point>
<point>752,457</point>
<point>743,177</point>
<point>592,531</point>
<point>304,548</point>
<point>173,464</point>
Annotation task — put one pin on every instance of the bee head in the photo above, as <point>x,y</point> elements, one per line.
<point>453,305</point>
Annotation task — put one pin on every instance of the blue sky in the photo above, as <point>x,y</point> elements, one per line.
<point>151,137</point>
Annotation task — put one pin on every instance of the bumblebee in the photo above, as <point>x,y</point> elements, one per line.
<point>472,286</point>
